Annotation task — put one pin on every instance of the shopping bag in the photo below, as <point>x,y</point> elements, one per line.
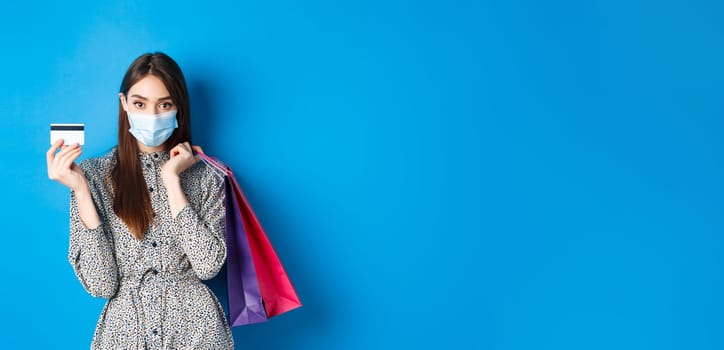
<point>243,294</point>
<point>277,292</point>
<point>245,300</point>
<point>276,289</point>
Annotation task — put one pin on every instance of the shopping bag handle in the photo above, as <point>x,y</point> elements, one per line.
<point>212,162</point>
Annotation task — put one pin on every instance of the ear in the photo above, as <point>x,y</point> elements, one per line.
<point>124,103</point>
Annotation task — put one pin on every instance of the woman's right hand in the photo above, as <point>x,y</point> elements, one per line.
<point>61,166</point>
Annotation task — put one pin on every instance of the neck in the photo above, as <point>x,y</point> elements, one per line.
<point>145,149</point>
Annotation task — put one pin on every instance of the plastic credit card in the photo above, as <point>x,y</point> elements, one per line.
<point>70,133</point>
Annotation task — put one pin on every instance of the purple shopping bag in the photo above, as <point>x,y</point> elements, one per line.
<point>245,302</point>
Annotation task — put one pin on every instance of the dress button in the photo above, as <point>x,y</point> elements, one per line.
<point>148,165</point>
<point>150,189</point>
<point>153,244</point>
<point>155,332</point>
<point>155,155</point>
<point>154,271</point>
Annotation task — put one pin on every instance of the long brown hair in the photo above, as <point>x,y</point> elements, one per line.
<point>131,199</point>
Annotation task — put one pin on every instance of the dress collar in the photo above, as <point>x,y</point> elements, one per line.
<point>158,156</point>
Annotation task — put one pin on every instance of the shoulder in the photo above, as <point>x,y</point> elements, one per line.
<point>203,172</point>
<point>99,167</point>
<point>203,178</point>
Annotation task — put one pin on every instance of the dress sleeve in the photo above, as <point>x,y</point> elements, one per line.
<point>201,229</point>
<point>91,252</point>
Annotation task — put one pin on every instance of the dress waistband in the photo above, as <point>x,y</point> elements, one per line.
<point>156,275</point>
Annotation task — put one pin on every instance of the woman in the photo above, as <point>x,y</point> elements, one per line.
<point>147,220</point>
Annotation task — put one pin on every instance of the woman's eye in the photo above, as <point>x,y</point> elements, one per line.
<point>138,104</point>
<point>166,105</point>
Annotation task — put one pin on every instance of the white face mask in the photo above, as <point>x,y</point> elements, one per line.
<point>152,129</point>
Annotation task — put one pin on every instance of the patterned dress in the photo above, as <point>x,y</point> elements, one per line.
<point>156,299</point>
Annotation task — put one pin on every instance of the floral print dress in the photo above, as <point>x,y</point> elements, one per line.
<point>156,297</point>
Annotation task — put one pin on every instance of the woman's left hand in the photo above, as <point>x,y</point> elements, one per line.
<point>181,158</point>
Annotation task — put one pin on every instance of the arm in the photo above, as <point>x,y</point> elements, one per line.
<point>86,208</point>
<point>90,250</point>
<point>201,230</point>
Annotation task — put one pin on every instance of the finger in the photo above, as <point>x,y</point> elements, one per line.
<point>182,147</point>
<point>66,162</point>
<point>51,151</point>
<point>64,154</point>
<point>72,156</point>
<point>174,152</point>
<point>185,148</point>
<point>197,149</point>
<point>64,151</point>
<point>62,167</point>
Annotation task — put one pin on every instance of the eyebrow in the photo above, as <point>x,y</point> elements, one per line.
<point>143,98</point>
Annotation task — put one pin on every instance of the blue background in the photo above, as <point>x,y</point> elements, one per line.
<point>450,174</point>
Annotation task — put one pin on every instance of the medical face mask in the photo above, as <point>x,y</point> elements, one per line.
<point>152,129</point>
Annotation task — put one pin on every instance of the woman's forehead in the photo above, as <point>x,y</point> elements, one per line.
<point>149,87</point>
